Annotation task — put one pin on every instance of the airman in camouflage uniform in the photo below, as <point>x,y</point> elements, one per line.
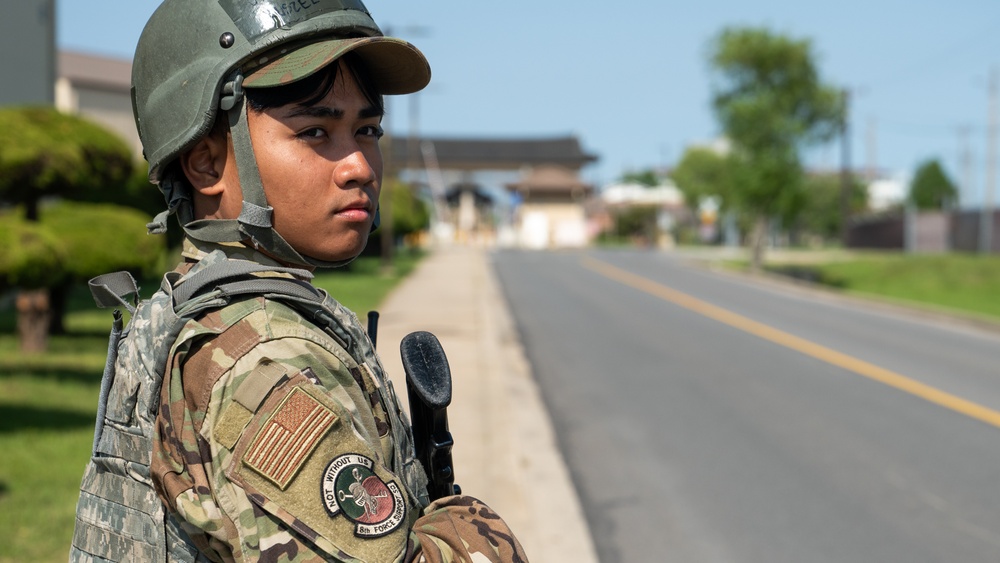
<point>266,428</point>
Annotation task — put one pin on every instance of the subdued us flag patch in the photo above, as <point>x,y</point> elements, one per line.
<point>288,437</point>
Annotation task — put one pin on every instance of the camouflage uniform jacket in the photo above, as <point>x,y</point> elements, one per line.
<point>276,440</point>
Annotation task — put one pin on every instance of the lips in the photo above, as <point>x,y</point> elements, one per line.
<point>359,210</point>
<point>362,205</point>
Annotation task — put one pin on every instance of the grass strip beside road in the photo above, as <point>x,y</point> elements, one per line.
<point>48,403</point>
<point>964,283</point>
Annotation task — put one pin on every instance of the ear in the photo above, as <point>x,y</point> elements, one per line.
<point>204,164</point>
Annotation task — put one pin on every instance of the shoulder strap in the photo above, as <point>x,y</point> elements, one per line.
<point>214,275</point>
<point>120,288</point>
<point>219,283</point>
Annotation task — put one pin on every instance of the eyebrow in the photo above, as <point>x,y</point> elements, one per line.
<point>332,113</point>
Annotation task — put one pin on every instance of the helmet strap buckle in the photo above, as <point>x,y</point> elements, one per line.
<point>232,92</point>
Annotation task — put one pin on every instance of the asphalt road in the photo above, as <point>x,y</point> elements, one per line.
<point>707,418</point>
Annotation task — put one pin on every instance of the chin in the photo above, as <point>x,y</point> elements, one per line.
<point>339,254</point>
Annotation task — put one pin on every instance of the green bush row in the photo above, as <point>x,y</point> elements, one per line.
<point>75,241</point>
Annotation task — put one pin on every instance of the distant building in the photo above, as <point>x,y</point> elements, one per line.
<point>98,88</point>
<point>28,43</point>
<point>475,154</point>
<point>886,193</point>
<point>451,167</point>
<point>550,213</point>
<point>469,211</point>
<point>665,195</point>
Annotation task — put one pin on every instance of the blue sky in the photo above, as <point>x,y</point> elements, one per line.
<point>630,77</point>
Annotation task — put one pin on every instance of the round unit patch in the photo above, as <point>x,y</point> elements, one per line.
<point>352,488</point>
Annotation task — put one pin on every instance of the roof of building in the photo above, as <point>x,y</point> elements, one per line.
<point>95,70</point>
<point>494,154</point>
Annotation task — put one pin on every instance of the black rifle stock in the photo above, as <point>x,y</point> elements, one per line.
<point>428,384</point>
<point>373,327</point>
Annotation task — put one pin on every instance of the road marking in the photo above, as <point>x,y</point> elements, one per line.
<point>782,338</point>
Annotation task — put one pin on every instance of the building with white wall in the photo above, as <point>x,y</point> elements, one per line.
<point>550,211</point>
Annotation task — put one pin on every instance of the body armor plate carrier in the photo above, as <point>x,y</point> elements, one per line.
<point>119,515</point>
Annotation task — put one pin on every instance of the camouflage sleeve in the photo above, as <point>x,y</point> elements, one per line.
<point>462,528</point>
<point>272,446</point>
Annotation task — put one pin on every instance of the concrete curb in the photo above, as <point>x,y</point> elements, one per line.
<point>505,450</point>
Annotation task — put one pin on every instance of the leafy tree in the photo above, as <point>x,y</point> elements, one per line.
<point>769,185</point>
<point>703,173</point>
<point>71,243</point>
<point>98,239</point>
<point>771,103</point>
<point>821,214</point>
<point>135,191</point>
<point>44,152</point>
<point>30,259</point>
<point>931,188</point>
<point>646,178</point>
<point>636,222</point>
<point>409,213</point>
<point>30,255</point>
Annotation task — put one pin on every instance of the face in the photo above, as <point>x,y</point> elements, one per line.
<point>321,168</point>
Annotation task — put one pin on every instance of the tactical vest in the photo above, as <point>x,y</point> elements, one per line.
<point>119,516</point>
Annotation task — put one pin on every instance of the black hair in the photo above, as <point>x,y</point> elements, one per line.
<point>312,89</point>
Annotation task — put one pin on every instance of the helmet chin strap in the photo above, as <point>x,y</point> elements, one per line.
<point>254,223</point>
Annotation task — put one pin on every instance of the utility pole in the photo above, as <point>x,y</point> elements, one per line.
<point>989,186</point>
<point>845,168</point>
<point>413,141</point>
<point>390,171</point>
<point>964,163</point>
<point>393,167</point>
<point>871,169</point>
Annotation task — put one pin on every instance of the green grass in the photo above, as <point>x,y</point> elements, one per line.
<point>47,409</point>
<point>363,285</point>
<point>48,403</point>
<point>957,282</point>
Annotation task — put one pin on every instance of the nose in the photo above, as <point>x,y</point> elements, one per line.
<point>355,168</point>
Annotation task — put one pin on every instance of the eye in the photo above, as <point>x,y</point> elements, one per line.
<point>373,131</point>
<point>312,133</point>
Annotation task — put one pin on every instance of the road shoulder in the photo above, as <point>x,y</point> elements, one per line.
<point>505,447</point>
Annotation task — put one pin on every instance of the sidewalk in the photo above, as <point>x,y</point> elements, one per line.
<point>505,450</point>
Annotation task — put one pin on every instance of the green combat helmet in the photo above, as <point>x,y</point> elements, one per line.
<point>195,56</point>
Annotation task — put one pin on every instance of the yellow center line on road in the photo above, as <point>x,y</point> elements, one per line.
<point>828,355</point>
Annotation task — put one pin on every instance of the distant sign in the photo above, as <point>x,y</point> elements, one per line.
<point>28,41</point>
